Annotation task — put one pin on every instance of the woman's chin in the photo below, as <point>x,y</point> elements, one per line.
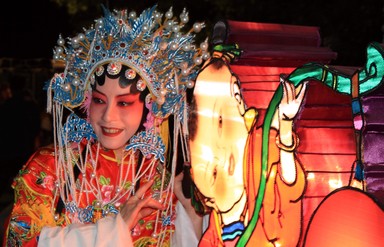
<point>112,145</point>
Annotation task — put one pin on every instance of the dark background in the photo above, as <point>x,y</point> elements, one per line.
<point>29,29</point>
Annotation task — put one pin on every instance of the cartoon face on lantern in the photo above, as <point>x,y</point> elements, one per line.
<point>217,144</point>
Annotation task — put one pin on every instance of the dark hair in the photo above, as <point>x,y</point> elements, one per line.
<point>192,119</point>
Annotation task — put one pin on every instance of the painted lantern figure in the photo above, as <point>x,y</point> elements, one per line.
<point>227,165</point>
<point>253,183</point>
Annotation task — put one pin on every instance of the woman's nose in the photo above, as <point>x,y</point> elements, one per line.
<point>109,113</point>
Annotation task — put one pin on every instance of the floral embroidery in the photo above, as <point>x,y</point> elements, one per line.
<point>47,181</point>
<point>35,188</point>
<point>107,193</point>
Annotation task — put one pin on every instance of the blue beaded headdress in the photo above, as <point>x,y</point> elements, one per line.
<point>151,45</point>
<point>156,49</point>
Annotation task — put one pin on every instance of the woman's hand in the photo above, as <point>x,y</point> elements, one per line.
<point>138,207</point>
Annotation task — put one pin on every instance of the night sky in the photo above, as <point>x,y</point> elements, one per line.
<point>29,29</point>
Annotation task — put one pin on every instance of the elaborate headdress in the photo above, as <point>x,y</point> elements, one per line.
<point>150,45</point>
<point>157,50</point>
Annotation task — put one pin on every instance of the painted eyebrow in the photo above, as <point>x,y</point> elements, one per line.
<point>120,95</point>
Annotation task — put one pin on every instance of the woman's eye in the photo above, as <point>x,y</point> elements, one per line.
<point>97,100</point>
<point>125,103</point>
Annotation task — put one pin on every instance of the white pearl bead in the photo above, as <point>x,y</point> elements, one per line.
<point>66,87</point>
<point>75,42</point>
<point>76,82</point>
<point>174,46</point>
<point>99,21</point>
<point>190,84</point>
<point>198,60</point>
<point>184,19</point>
<point>187,47</point>
<point>145,28</point>
<point>59,50</point>
<point>60,41</point>
<point>169,13</point>
<point>205,56</point>
<point>81,36</point>
<point>157,15</point>
<point>185,72</point>
<point>132,14</point>
<point>197,27</point>
<point>204,46</point>
<point>184,16</point>
<point>175,29</point>
<point>168,24</point>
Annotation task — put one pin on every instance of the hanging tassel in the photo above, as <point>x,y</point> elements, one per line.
<point>49,97</point>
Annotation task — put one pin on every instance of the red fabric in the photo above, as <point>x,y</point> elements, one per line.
<point>35,189</point>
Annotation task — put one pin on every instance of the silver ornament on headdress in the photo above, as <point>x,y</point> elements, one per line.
<point>166,58</point>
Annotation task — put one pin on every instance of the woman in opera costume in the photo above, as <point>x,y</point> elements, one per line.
<point>119,111</point>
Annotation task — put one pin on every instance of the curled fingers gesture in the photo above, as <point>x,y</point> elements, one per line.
<point>138,206</point>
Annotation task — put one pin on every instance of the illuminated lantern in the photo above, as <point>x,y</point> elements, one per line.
<point>330,128</point>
